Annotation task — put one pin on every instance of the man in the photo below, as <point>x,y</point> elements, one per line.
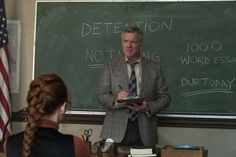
<point>132,75</point>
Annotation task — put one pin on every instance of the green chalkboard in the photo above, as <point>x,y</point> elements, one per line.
<point>195,43</point>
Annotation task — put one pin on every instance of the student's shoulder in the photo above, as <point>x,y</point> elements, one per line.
<point>81,149</point>
<point>17,135</point>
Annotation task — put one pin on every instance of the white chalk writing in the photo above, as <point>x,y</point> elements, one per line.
<point>203,46</point>
<point>95,58</point>
<point>101,28</point>
<point>207,84</point>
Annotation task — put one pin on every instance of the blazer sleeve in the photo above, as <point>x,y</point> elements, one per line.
<point>104,91</point>
<point>162,96</point>
<point>155,88</point>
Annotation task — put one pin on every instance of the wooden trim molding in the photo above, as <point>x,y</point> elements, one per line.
<point>163,121</point>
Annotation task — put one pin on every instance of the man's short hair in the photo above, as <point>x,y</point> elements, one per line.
<point>134,29</point>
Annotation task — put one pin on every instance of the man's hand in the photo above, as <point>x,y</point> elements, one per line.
<point>138,107</point>
<point>121,95</point>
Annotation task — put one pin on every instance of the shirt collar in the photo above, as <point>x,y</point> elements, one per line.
<point>48,124</point>
<point>137,61</point>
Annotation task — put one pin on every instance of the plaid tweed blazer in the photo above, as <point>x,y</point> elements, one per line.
<point>153,88</point>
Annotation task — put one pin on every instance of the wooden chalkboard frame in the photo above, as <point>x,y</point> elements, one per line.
<point>163,121</point>
<point>168,115</point>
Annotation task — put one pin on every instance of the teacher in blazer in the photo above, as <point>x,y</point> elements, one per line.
<point>131,75</point>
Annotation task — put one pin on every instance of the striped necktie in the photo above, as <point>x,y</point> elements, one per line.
<point>132,88</point>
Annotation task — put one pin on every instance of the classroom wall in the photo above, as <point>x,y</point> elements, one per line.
<point>219,142</point>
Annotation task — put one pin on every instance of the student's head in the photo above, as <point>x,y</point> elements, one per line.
<point>46,97</point>
<point>132,40</point>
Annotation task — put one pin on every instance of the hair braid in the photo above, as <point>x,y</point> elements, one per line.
<point>35,112</point>
<point>47,92</point>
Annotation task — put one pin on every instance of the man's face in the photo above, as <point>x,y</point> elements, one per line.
<point>131,45</point>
